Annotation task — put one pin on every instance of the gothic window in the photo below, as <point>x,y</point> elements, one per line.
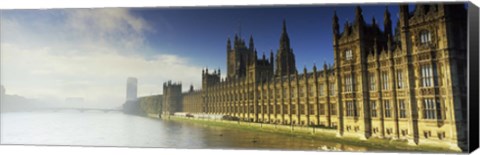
<point>312,109</point>
<point>427,75</point>
<point>348,83</point>
<point>302,91</point>
<point>348,54</point>
<point>311,91</point>
<point>425,37</point>
<point>387,107</point>
<point>431,109</point>
<point>333,109</point>
<point>331,90</point>
<point>372,81</point>
<point>400,84</point>
<point>403,109</point>
<point>351,109</point>
<point>322,109</point>
<point>321,92</point>
<point>384,80</point>
<point>301,109</point>
<point>294,109</point>
<point>292,92</point>
<point>373,105</point>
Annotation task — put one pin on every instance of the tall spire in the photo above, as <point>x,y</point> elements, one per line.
<point>285,63</point>
<point>284,40</point>
<point>271,57</point>
<point>387,22</point>
<point>235,40</point>
<point>229,44</point>
<point>251,46</point>
<point>335,25</point>
<point>358,15</point>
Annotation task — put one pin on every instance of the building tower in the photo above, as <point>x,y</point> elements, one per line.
<point>172,98</point>
<point>131,89</point>
<point>239,57</point>
<point>285,64</point>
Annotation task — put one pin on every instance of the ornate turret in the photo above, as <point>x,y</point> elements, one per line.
<point>375,46</point>
<point>271,57</point>
<point>251,46</point>
<point>346,28</point>
<point>285,58</point>
<point>235,41</point>
<point>229,44</point>
<point>420,9</point>
<point>284,40</point>
<point>358,16</point>
<point>335,25</point>
<point>404,15</point>
<point>191,88</point>
<point>389,42</point>
<point>255,57</point>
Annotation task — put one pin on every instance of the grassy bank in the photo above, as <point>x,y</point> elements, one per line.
<point>321,134</point>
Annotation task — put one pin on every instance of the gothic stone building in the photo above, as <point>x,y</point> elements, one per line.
<point>408,84</point>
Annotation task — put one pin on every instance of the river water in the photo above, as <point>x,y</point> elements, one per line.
<point>118,129</point>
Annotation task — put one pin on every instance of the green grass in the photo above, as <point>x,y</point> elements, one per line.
<point>375,144</point>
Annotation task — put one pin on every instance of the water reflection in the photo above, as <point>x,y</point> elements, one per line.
<point>117,129</point>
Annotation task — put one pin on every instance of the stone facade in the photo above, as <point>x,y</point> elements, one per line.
<point>408,84</point>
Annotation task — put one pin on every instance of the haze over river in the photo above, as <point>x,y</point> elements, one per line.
<point>95,128</point>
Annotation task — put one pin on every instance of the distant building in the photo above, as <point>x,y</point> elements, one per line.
<point>172,98</point>
<point>131,89</point>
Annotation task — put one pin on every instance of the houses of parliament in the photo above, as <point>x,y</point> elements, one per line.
<point>405,82</point>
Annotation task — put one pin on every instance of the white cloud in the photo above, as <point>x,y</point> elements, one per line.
<point>85,53</point>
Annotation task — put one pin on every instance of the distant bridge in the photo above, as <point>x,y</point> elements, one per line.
<point>82,109</point>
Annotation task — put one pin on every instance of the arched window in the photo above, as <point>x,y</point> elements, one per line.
<point>425,37</point>
<point>348,54</point>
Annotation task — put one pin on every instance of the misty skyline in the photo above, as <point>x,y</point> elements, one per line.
<point>55,54</point>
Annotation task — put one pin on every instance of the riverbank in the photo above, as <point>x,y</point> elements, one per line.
<point>323,134</point>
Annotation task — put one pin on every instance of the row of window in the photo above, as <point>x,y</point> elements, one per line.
<point>428,78</point>
<point>431,109</point>
<point>425,37</point>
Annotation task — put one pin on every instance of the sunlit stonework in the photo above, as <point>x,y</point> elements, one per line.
<point>408,84</point>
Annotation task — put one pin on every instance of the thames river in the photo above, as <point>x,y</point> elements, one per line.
<point>93,128</point>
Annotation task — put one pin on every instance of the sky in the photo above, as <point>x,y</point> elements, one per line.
<point>54,54</point>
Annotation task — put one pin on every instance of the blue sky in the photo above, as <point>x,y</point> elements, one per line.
<point>53,54</point>
<point>201,33</point>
